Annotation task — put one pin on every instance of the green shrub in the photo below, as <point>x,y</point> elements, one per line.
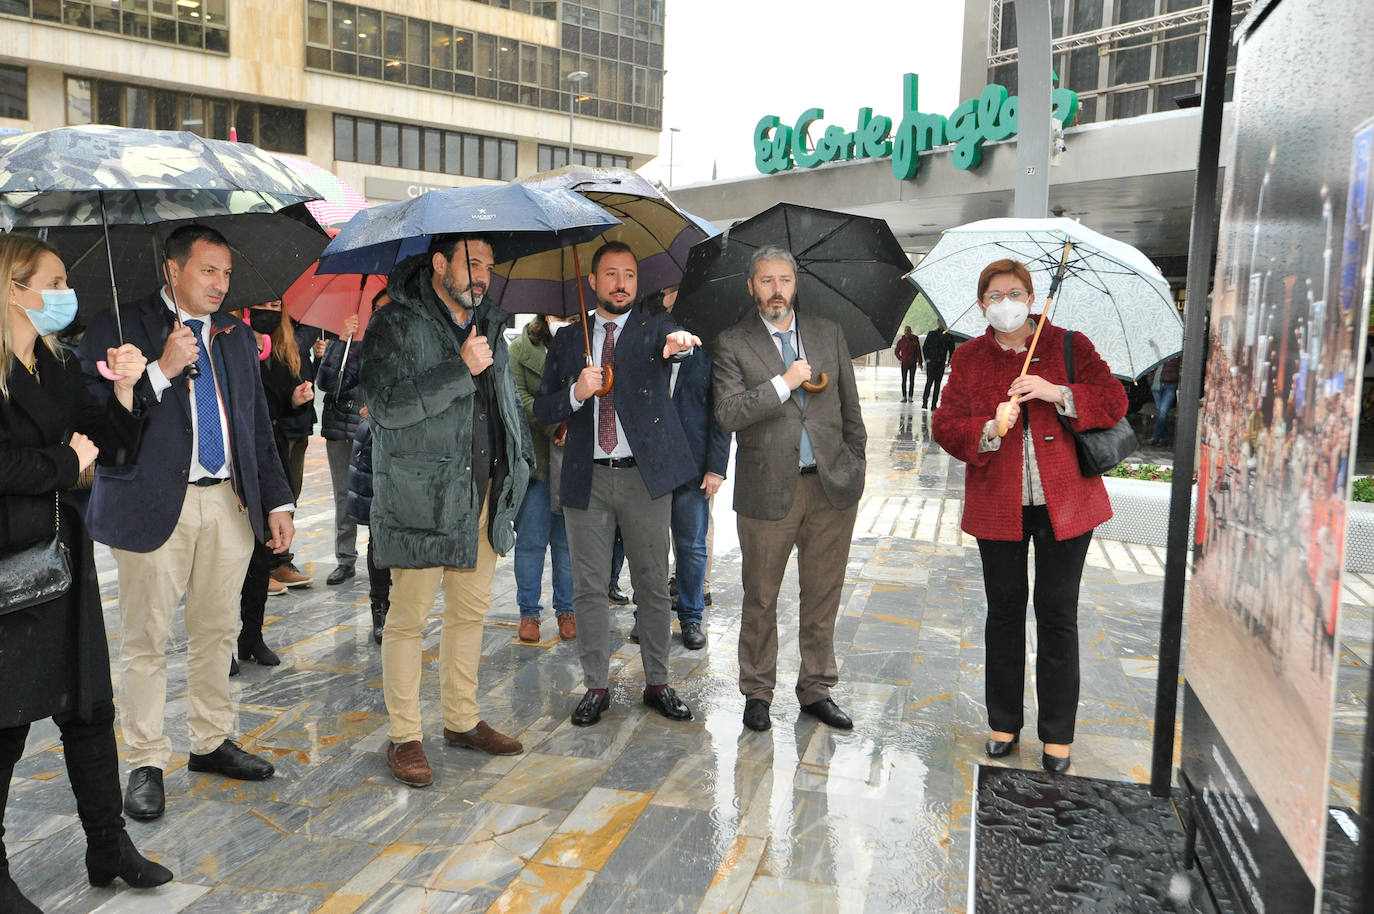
<point>1151,471</point>
<point>1364,489</point>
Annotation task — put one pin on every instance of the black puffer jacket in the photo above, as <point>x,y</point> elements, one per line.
<point>360,475</point>
<point>339,418</point>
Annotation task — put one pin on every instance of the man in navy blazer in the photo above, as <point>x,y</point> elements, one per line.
<point>625,454</point>
<point>182,514</point>
<point>690,388</point>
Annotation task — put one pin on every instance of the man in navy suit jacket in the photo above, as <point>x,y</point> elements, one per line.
<point>626,452</point>
<point>182,514</point>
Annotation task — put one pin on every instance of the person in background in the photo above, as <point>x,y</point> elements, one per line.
<point>537,529</point>
<point>55,662</point>
<point>908,353</point>
<point>338,425</point>
<point>1164,388</point>
<point>936,350</point>
<point>689,387</point>
<point>1023,487</point>
<point>208,482</point>
<point>360,508</point>
<point>287,395</point>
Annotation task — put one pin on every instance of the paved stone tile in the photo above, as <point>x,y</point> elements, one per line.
<point>636,813</point>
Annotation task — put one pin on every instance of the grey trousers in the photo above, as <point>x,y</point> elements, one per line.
<point>619,497</point>
<point>345,530</point>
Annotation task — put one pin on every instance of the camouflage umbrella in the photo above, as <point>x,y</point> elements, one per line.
<point>97,176</point>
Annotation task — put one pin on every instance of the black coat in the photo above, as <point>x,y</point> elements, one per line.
<point>298,421</point>
<point>360,476</point>
<point>696,410</point>
<point>53,657</point>
<point>339,417</point>
<point>663,455</point>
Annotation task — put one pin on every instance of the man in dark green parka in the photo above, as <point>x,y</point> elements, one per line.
<point>451,462</point>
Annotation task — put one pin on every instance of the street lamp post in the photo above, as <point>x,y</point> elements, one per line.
<point>672,135</point>
<point>574,78</point>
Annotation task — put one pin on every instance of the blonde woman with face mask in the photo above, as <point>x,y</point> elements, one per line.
<point>54,661</point>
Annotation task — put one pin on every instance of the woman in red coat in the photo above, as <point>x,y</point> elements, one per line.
<point>1026,487</point>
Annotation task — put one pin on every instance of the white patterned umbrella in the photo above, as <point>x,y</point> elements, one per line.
<point>1110,291</point>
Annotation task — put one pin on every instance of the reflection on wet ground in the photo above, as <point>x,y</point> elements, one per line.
<point>636,813</point>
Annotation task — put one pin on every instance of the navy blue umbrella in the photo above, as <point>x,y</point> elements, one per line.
<point>518,220</point>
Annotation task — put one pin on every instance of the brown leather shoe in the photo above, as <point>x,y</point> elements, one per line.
<point>288,575</point>
<point>275,588</point>
<point>408,763</point>
<point>567,627</point>
<point>484,738</point>
<point>529,629</point>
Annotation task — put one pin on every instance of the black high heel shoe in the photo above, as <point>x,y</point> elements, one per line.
<point>1055,763</point>
<point>124,860</point>
<point>999,748</point>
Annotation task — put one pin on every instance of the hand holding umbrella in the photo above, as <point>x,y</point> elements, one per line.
<point>1023,384</point>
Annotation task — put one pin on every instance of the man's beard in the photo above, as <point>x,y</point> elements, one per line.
<point>774,309</point>
<point>612,307</point>
<point>464,297</point>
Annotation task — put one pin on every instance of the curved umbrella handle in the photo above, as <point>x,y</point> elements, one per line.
<point>821,383</point>
<point>107,372</point>
<point>609,374</point>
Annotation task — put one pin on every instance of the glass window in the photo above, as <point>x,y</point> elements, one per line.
<point>1165,94</point>
<point>317,58</point>
<point>367,141</point>
<point>1083,69</point>
<point>78,101</point>
<point>507,60</point>
<point>529,64</point>
<point>410,147</point>
<point>192,114</point>
<point>105,16</point>
<point>548,68</point>
<point>486,56</point>
<point>1130,104</point>
<point>345,29</point>
<point>472,156</point>
<point>345,62</point>
<point>394,29</point>
<point>14,92</point>
<point>1008,26</point>
<point>134,25</point>
<point>317,22</point>
<point>1087,110</point>
<point>165,116</point>
<point>107,103</point>
<point>370,33</point>
<point>453,153</point>
<point>1131,10</point>
<point>440,47</point>
<point>491,157</point>
<point>1179,52</point>
<point>1087,15</point>
<point>434,145</point>
<point>164,30</point>
<point>77,14</point>
<point>138,109</point>
<point>281,129</point>
<point>545,158</point>
<point>190,34</point>
<point>217,40</point>
<point>49,10</point>
<point>343,139</point>
<point>508,149</point>
<point>218,113</point>
<point>417,42</point>
<point>389,143</point>
<point>1131,64</point>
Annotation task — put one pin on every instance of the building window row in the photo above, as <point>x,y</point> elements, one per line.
<point>551,157</point>
<point>372,142</point>
<point>103,101</point>
<point>354,40</point>
<point>619,44</point>
<point>14,92</point>
<point>202,24</point>
<point>544,9</point>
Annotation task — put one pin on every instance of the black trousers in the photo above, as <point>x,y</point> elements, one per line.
<point>1058,573</point>
<point>92,767</point>
<point>908,381</point>
<point>935,373</point>
<point>378,580</point>
<point>253,597</point>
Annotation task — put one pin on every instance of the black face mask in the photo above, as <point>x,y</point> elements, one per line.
<point>264,320</point>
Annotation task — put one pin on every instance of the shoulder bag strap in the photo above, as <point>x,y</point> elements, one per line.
<point>1068,353</point>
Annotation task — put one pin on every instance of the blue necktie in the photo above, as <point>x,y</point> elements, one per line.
<point>209,439</point>
<point>789,355</point>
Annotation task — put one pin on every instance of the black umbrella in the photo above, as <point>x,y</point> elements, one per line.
<point>271,250</point>
<point>849,269</point>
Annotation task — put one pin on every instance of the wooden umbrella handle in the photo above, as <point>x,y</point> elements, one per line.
<point>608,372</point>
<point>821,383</point>
<point>1002,411</point>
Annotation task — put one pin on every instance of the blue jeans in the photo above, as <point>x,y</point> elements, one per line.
<point>691,511</point>
<point>537,530</point>
<point>1164,401</point>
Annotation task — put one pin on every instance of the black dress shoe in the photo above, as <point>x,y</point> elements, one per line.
<point>1054,763</point>
<point>693,638</point>
<point>706,598</point>
<point>143,799</point>
<point>617,596</point>
<point>258,652</point>
<point>634,632</point>
<point>588,710</point>
<point>340,574</point>
<point>233,665</point>
<point>232,762</point>
<point>756,715</point>
<point>829,713</point>
<point>666,702</point>
<point>122,859</point>
<point>1000,748</point>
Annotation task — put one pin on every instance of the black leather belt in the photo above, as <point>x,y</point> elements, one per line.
<point>809,471</point>
<point>209,481</point>
<point>615,463</point>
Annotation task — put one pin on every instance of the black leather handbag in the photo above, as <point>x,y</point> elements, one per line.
<point>1099,449</point>
<point>36,573</point>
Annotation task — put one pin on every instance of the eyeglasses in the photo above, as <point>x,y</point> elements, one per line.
<point>994,298</point>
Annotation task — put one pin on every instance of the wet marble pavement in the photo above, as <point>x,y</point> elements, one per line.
<point>636,813</point>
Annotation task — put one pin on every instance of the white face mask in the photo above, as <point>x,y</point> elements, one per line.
<point>1008,316</point>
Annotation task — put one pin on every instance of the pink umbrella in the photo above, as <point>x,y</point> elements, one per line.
<point>341,199</point>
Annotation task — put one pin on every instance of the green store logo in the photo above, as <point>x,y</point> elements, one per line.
<point>989,118</point>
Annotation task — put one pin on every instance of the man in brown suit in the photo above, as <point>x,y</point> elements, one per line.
<point>799,472</point>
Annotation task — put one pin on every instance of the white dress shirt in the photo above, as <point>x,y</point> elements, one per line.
<point>784,392</point>
<point>622,444</point>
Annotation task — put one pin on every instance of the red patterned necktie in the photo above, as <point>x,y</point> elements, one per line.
<point>605,413</point>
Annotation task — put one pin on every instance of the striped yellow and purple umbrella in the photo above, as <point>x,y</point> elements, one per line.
<point>341,200</point>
